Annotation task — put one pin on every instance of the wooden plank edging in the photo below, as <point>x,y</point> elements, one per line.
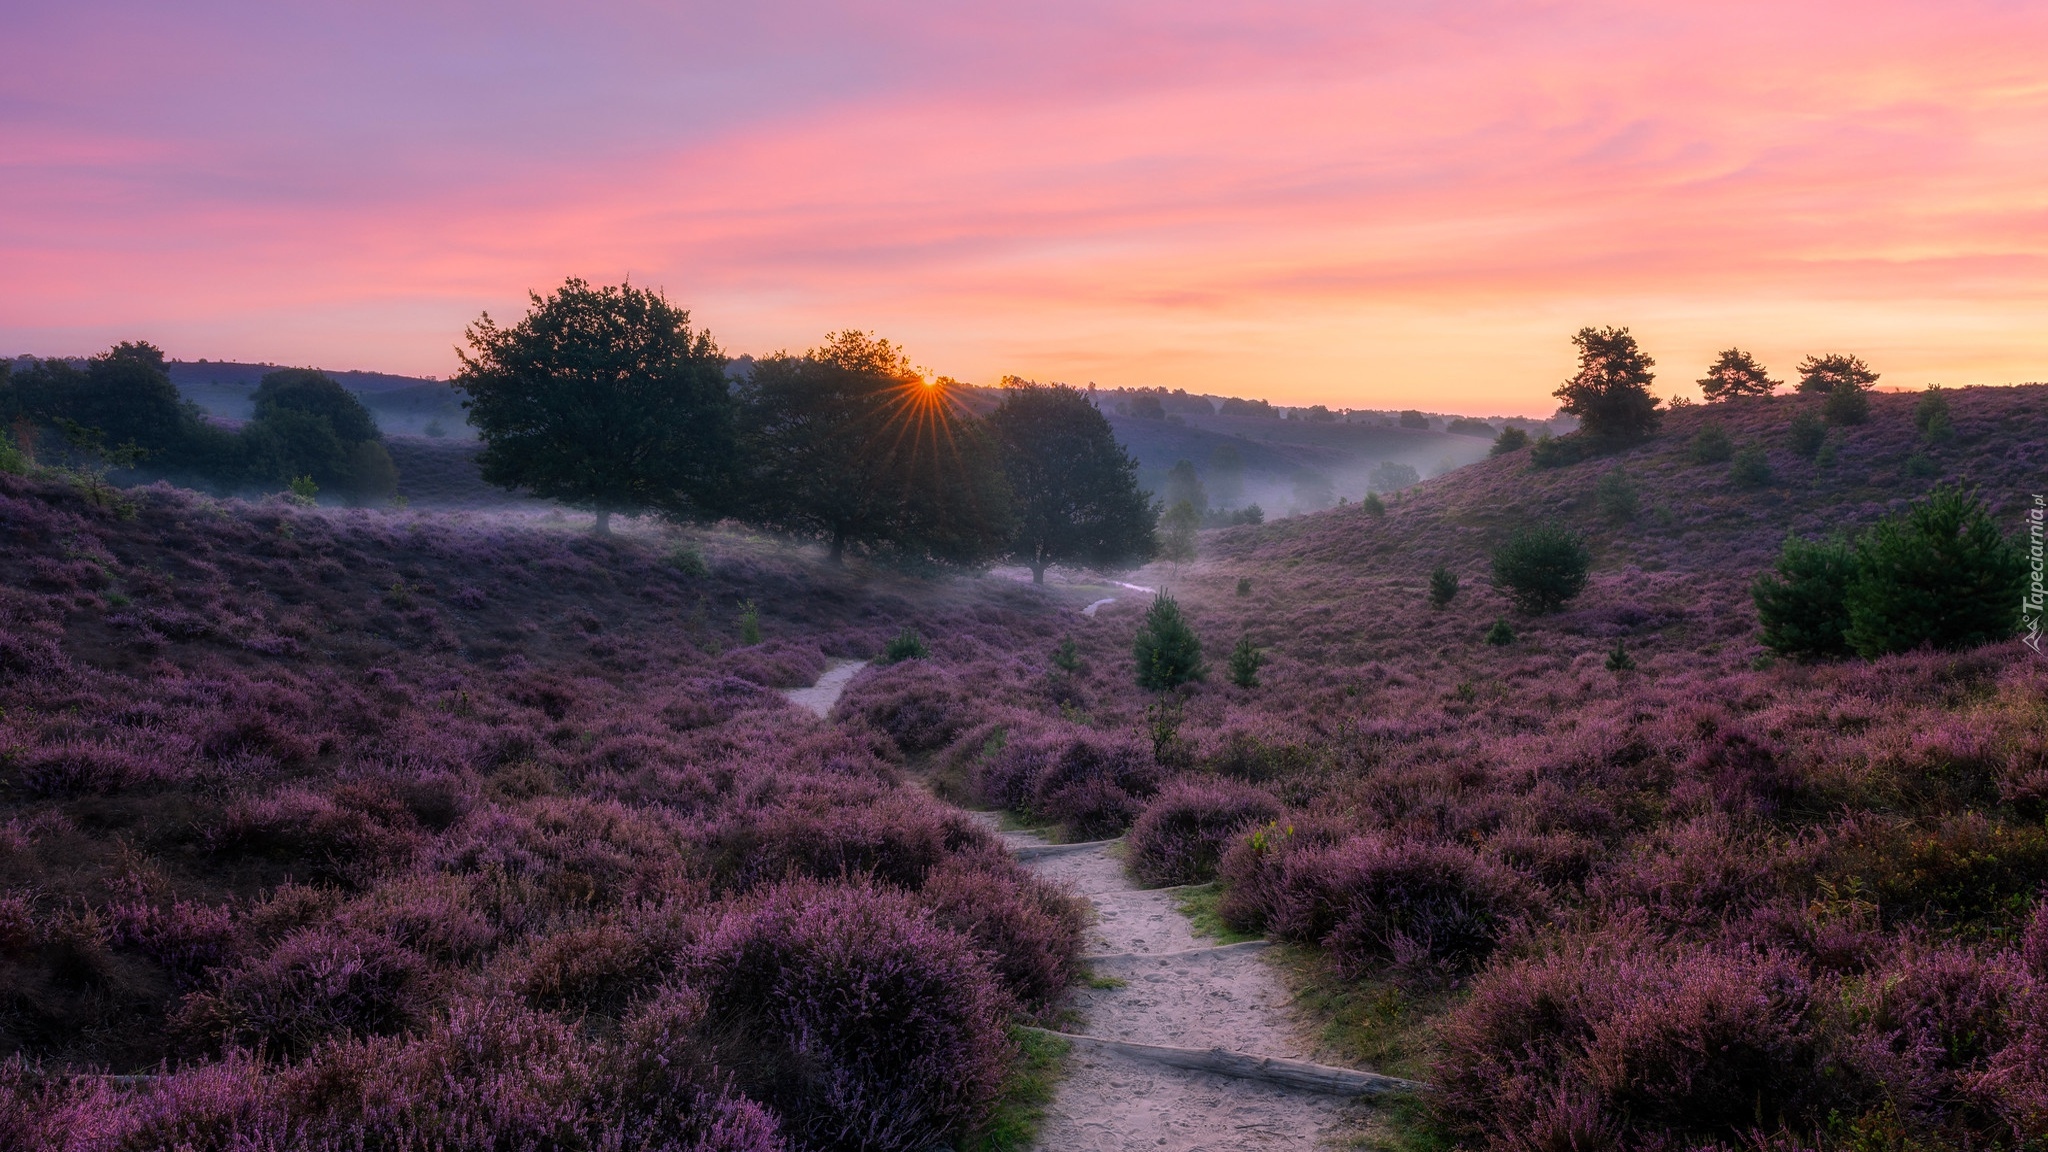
<point>1297,1074</point>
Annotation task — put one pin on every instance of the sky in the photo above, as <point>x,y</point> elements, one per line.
<point>1360,204</point>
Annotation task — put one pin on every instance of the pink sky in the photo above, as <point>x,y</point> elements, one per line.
<point>1358,204</point>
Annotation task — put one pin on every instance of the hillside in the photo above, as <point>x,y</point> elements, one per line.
<point>404,405</point>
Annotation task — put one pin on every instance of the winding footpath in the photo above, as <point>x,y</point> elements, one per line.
<point>1166,1011</point>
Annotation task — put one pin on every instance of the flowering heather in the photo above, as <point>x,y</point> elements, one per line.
<point>1185,829</point>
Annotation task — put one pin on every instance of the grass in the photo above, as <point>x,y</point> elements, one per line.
<point>1370,1023</point>
<point>1013,1125</point>
<point>1198,904</point>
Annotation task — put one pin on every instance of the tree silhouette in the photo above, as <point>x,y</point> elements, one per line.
<point>1736,373</point>
<point>1076,489</point>
<point>1610,394</point>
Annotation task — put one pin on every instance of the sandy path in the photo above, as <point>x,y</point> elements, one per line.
<point>1177,990</point>
<point>820,697</point>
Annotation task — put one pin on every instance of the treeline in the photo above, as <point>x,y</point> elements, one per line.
<point>605,398</point>
<point>121,410</point>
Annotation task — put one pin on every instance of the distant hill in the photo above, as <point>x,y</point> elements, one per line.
<point>405,405</point>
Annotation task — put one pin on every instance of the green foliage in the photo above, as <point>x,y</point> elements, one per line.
<point>1392,476</point>
<point>1443,586</point>
<point>1245,661</point>
<point>1019,1111</point>
<point>12,459</point>
<point>1931,416</point>
<point>1803,603</point>
<point>1752,467</point>
<point>1615,495</point>
<point>1244,586</point>
<point>1184,486</point>
<point>94,459</point>
<point>307,424</point>
<point>1558,451</point>
<point>1167,651</point>
<point>905,645</point>
<point>1711,445</point>
<point>686,558</point>
<point>1610,394</point>
<point>1734,374</point>
<point>1846,406</point>
<point>1619,660</point>
<point>1939,573</point>
<point>1500,635</point>
<point>1067,657</point>
<point>1825,458</point>
<point>750,623</point>
<point>316,394</point>
<point>302,490</point>
<point>1373,505</point>
<point>1414,419</point>
<point>1805,434</point>
<point>1835,372</point>
<point>1177,537</point>
<point>604,399</point>
<point>1921,466</point>
<point>1541,568</point>
<point>1510,440</point>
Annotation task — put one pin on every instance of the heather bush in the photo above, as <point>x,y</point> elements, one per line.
<point>776,664</point>
<point>1029,930</point>
<point>917,706</point>
<point>1166,650</point>
<point>853,1016</point>
<point>1616,1042</point>
<point>1959,869</point>
<point>1182,834</point>
<point>316,985</point>
<point>1093,785</point>
<point>1541,568</point>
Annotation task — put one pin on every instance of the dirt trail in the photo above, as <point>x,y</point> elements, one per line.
<point>1175,990</point>
<point>1182,991</point>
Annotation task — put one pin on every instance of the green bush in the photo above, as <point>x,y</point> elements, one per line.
<point>1804,435</point>
<point>1558,451</point>
<point>1167,652</point>
<point>1803,605</point>
<point>1940,573</point>
<point>1373,505</point>
<point>1752,468</point>
<point>750,623</point>
<point>12,459</point>
<point>1619,660</point>
<point>1244,586</point>
<point>1542,568</point>
<point>1616,495</point>
<point>1500,635</point>
<point>1711,445</point>
<point>1509,440</point>
<point>1847,406</point>
<point>1443,587</point>
<point>1921,466</point>
<point>1067,657</point>
<point>686,558</point>
<point>1931,416</point>
<point>1245,661</point>
<point>907,645</point>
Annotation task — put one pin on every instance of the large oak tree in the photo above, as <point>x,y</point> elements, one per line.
<point>605,399</point>
<point>1076,489</point>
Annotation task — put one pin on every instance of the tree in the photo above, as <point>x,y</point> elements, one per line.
<point>1611,392</point>
<point>1443,587</point>
<point>1803,603</point>
<point>1846,406</point>
<point>1616,495</point>
<point>1226,475</point>
<point>1931,416</point>
<point>1177,533</point>
<point>1711,445</point>
<point>1752,467</point>
<point>1541,568</point>
<point>1735,374</point>
<point>1075,489</point>
<point>307,424</point>
<point>1166,649</point>
<point>1184,486</point>
<point>1392,476</point>
<point>1939,573</point>
<point>1245,661</point>
<point>1835,372</point>
<point>1509,440</point>
<point>604,399</point>
<point>849,443</point>
<point>318,394</point>
<point>1413,419</point>
<point>125,392</point>
<point>1805,435</point>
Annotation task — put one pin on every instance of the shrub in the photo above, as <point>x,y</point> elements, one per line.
<point>1029,930</point>
<point>1931,416</point>
<point>1244,586</point>
<point>1803,605</point>
<point>1541,568</point>
<point>855,1018</point>
<point>1094,786</point>
<point>1500,635</point>
<point>1615,495</point>
<point>1752,467</point>
<point>1510,440</point>
<point>1805,434</point>
<point>1245,661</point>
<point>1921,466</point>
<point>750,623</point>
<point>1711,445</point>
<point>1373,505</point>
<point>688,559</point>
<point>1183,832</point>
<point>1846,406</point>
<point>1166,650</point>
<point>914,705</point>
<point>905,645</point>
<point>1560,451</point>
<point>1940,573</point>
<point>316,985</point>
<point>1619,660</point>
<point>1443,587</point>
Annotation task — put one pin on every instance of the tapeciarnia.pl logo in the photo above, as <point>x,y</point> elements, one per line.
<point>2033,604</point>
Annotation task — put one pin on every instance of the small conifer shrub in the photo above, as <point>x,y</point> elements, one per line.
<point>1373,505</point>
<point>1244,586</point>
<point>1542,568</point>
<point>1804,435</point>
<point>1443,587</point>
<point>1067,657</point>
<point>1615,495</point>
<point>1846,406</point>
<point>1931,416</point>
<point>1752,468</point>
<point>1167,650</point>
<point>1509,440</point>
<point>1711,445</point>
<point>1803,603</point>
<point>1500,635</point>
<point>1939,573</point>
<point>1619,660</point>
<point>907,645</point>
<point>750,623</point>
<point>1245,661</point>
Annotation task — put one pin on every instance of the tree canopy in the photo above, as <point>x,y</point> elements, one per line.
<point>1075,488</point>
<point>850,443</point>
<point>1610,394</point>
<point>605,399</point>
<point>1835,372</point>
<point>1735,373</point>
